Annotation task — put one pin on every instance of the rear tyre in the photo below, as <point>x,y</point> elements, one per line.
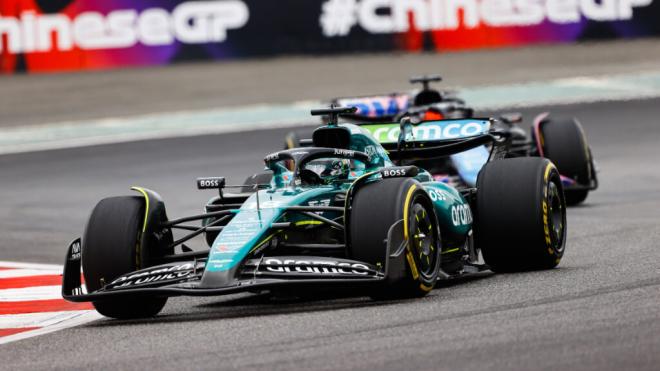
<point>521,214</point>
<point>376,207</point>
<point>565,144</point>
<point>110,248</point>
<point>293,138</point>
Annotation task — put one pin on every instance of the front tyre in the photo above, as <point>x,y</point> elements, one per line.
<point>110,248</point>
<point>521,214</point>
<point>378,206</point>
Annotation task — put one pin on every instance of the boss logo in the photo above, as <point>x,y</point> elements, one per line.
<point>210,183</point>
<point>397,172</point>
<point>403,171</point>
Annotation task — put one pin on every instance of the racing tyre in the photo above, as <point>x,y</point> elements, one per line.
<point>565,144</point>
<point>110,248</point>
<point>378,206</point>
<point>293,138</point>
<point>520,221</point>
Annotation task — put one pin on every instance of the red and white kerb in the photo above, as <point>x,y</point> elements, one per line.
<point>31,302</point>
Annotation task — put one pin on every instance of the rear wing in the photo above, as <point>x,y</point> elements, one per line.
<point>380,108</point>
<point>375,107</point>
<point>433,139</point>
<point>430,131</point>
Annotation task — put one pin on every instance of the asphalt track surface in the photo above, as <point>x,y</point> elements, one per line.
<point>597,311</point>
<point>39,99</point>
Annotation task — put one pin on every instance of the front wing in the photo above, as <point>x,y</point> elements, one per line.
<point>184,278</point>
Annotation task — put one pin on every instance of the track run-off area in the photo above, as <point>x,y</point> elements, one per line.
<point>598,310</point>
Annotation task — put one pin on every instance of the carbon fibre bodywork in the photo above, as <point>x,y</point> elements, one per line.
<point>292,231</point>
<point>381,115</point>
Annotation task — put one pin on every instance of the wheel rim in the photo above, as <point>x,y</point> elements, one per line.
<point>423,239</point>
<point>557,216</point>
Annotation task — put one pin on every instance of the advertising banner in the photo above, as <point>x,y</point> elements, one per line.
<point>61,35</point>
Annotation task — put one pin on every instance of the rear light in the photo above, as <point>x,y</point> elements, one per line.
<point>433,116</point>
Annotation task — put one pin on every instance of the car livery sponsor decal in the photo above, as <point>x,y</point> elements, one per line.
<point>264,205</point>
<point>320,266</point>
<point>237,238</point>
<point>250,226</point>
<point>461,215</point>
<point>167,273</point>
<point>377,154</point>
<point>344,152</point>
<point>399,171</point>
<point>431,130</point>
<point>321,202</point>
<point>219,261</point>
<point>75,251</point>
<point>394,172</point>
<point>272,157</point>
<point>436,194</point>
<point>370,150</point>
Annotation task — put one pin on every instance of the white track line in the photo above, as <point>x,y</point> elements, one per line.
<point>38,319</point>
<point>15,273</point>
<point>52,267</point>
<point>31,293</point>
<point>83,318</point>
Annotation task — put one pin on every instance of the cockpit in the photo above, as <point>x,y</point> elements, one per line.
<point>340,153</point>
<point>314,166</point>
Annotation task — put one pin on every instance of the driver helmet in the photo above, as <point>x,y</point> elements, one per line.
<point>336,169</point>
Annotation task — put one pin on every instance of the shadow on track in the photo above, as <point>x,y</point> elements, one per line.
<point>257,305</point>
<point>269,304</point>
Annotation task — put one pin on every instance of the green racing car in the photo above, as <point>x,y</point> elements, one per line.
<point>340,214</point>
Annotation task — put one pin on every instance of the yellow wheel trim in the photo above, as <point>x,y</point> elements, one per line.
<point>409,255</point>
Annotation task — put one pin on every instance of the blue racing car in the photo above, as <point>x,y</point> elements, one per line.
<point>561,140</point>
